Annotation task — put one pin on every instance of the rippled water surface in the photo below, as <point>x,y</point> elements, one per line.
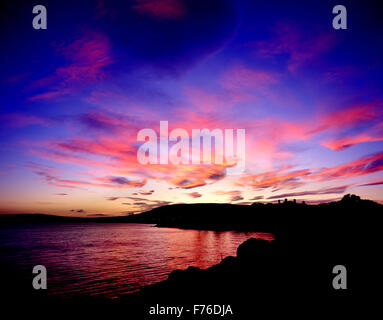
<point>111,259</point>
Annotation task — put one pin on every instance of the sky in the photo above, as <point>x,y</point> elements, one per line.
<point>73,98</point>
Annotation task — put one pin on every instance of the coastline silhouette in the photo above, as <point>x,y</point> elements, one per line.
<point>294,271</point>
<point>295,268</point>
<point>260,217</point>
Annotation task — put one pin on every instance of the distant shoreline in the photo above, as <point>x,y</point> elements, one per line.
<point>258,217</point>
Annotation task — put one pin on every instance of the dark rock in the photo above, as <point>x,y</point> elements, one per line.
<point>252,248</point>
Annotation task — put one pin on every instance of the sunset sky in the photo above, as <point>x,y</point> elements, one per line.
<point>73,98</point>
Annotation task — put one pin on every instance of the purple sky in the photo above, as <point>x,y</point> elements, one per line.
<point>74,96</point>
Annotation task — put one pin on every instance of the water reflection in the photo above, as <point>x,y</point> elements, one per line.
<point>112,259</point>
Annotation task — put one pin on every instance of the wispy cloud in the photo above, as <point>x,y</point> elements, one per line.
<point>194,195</point>
<point>86,59</point>
<point>161,9</point>
<point>372,183</point>
<point>324,191</point>
<point>363,166</point>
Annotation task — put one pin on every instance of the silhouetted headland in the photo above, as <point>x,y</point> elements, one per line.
<point>290,273</point>
<point>261,217</point>
<point>268,217</point>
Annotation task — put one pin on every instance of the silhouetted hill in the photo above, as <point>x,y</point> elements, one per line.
<point>264,278</point>
<point>279,217</point>
<point>293,274</point>
<point>259,217</point>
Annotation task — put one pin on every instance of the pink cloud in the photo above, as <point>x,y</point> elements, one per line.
<point>112,146</point>
<point>349,117</point>
<point>230,193</point>
<point>359,167</point>
<point>112,198</point>
<point>161,9</point>
<point>124,182</point>
<point>372,183</point>
<point>235,195</point>
<point>346,142</point>
<point>103,182</point>
<point>69,158</point>
<point>278,179</point>
<point>236,198</point>
<point>194,195</point>
<point>87,57</point>
<point>257,198</point>
<point>114,150</point>
<point>323,191</point>
<point>285,179</point>
<point>146,193</point>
